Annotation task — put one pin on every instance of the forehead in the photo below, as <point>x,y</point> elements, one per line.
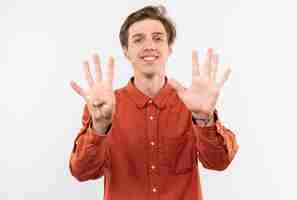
<point>147,26</point>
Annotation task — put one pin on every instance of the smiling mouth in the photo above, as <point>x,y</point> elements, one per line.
<point>149,58</point>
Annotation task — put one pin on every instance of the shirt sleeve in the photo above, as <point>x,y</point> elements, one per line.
<point>216,145</point>
<point>90,154</point>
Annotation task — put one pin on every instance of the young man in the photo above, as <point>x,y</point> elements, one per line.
<point>147,137</point>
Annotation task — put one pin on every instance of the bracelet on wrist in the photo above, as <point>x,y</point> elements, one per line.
<point>205,120</point>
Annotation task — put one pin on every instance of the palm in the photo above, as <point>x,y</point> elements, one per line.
<point>202,95</point>
<point>102,94</point>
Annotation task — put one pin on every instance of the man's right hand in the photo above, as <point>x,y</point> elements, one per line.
<point>99,97</point>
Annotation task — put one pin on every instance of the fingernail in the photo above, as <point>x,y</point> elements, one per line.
<point>210,50</point>
<point>96,103</point>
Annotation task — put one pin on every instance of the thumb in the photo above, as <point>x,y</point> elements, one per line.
<point>176,85</point>
<point>77,89</point>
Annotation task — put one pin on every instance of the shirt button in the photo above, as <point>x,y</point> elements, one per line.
<point>154,190</point>
<point>150,101</point>
<point>151,117</point>
<point>218,127</point>
<point>152,143</point>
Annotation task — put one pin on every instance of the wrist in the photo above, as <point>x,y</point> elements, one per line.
<point>203,119</point>
<point>100,128</point>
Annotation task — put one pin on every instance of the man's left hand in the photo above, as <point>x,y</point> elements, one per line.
<point>201,97</point>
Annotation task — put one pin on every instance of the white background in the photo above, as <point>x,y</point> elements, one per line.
<point>43,44</point>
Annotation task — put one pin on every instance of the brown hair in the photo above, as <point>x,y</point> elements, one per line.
<point>148,12</point>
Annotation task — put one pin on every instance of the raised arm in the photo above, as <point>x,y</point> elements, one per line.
<point>90,155</point>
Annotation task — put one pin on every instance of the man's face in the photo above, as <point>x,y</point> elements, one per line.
<point>148,48</point>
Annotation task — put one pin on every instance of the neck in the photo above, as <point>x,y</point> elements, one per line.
<point>150,86</point>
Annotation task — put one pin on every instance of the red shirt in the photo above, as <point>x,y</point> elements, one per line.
<point>152,149</point>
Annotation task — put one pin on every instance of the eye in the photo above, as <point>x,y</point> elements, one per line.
<point>159,39</point>
<point>137,40</point>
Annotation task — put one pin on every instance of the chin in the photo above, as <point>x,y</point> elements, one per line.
<point>149,70</point>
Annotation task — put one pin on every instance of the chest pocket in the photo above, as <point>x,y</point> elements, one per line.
<point>179,154</point>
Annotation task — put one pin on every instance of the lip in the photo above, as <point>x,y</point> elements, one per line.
<point>149,58</point>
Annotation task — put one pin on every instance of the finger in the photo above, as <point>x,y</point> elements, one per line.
<point>106,111</point>
<point>88,75</point>
<point>97,113</point>
<point>195,64</point>
<point>176,85</point>
<point>97,67</point>
<point>225,77</point>
<point>78,89</point>
<point>208,65</point>
<point>97,102</point>
<point>110,71</point>
<point>215,62</point>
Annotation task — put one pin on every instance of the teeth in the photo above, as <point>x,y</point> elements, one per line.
<point>149,58</point>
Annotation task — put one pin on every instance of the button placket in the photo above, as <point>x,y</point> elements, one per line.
<point>152,136</point>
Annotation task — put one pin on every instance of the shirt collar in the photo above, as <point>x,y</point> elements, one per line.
<point>141,100</point>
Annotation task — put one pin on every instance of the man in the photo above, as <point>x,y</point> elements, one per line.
<point>147,137</point>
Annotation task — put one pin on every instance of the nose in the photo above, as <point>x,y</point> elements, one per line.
<point>149,49</point>
<point>149,45</point>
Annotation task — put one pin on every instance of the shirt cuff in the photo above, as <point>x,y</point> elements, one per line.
<point>212,131</point>
<point>88,136</point>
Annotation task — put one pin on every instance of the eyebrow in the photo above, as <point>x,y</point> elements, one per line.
<point>137,35</point>
<point>141,34</point>
<point>158,33</point>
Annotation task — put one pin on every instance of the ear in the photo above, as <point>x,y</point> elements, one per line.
<point>169,50</point>
<point>125,50</point>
